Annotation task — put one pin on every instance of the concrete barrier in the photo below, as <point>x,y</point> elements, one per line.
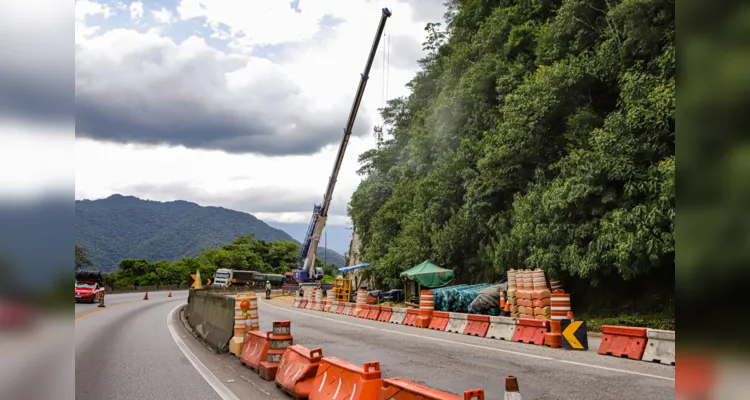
<point>212,317</point>
<point>501,328</point>
<point>660,347</point>
<point>398,316</point>
<point>457,323</point>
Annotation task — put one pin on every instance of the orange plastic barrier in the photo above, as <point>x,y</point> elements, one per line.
<point>401,389</point>
<point>411,317</point>
<point>477,325</point>
<point>279,339</point>
<point>338,379</point>
<point>439,320</point>
<point>530,331</point>
<point>385,314</point>
<point>623,341</point>
<point>341,307</point>
<point>352,311</point>
<point>373,313</point>
<point>364,311</point>
<point>256,349</point>
<point>297,370</point>
<point>303,303</point>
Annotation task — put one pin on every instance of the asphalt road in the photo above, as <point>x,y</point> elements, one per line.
<point>133,350</point>
<point>111,299</point>
<point>127,351</point>
<point>454,363</point>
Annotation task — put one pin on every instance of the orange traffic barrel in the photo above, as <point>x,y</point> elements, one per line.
<point>560,305</point>
<point>426,307</point>
<point>279,340</point>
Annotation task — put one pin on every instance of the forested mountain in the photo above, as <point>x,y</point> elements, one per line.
<point>537,134</point>
<point>121,227</point>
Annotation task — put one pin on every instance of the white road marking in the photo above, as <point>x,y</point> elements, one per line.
<point>518,353</point>
<point>212,380</point>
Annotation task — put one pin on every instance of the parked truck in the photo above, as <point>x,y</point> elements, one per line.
<point>229,277</point>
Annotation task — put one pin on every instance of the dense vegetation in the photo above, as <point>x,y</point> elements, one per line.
<point>537,134</point>
<point>121,227</point>
<point>244,253</point>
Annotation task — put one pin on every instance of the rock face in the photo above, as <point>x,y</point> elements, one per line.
<point>359,280</point>
<point>354,255</point>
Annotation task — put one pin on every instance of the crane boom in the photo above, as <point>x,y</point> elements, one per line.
<point>320,215</point>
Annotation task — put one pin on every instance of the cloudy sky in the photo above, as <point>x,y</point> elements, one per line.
<point>234,103</point>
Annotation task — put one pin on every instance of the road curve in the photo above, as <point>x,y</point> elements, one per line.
<point>126,351</point>
<point>454,363</point>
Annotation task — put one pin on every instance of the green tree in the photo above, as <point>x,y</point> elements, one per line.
<point>81,258</point>
<point>537,134</point>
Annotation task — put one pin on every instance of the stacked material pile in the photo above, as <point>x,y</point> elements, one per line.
<point>442,296</point>
<point>467,295</point>
<point>540,296</point>
<point>511,292</point>
<point>525,306</point>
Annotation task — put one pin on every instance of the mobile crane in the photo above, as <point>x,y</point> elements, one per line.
<point>308,272</point>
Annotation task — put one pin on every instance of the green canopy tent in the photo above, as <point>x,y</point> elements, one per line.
<point>427,275</point>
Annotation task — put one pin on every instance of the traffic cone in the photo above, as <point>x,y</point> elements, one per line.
<point>101,302</point>
<point>169,294</point>
<point>507,310</point>
<point>511,389</point>
<point>145,297</point>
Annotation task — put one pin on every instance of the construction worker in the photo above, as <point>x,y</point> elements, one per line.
<point>268,289</point>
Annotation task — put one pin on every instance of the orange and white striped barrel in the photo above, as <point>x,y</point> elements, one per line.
<point>512,282</point>
<point>560,305</point>
<point>426,303</point>
<point>318,296</point>
<point>239,319</point>
<point>253,321</point>
<point>555,284</point>
<point>361,300</point>
<point>538,280</point>
<point>426,308</point>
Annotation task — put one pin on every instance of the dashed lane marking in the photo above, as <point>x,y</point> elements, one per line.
<point>518,353</point>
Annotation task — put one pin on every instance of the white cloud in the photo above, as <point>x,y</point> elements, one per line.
<point>162,16</point>
<point>150,79</point>
<point>260,185</point>
<point>36,159</point>
<point>136,10</point>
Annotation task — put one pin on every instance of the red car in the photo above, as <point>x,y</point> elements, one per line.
<point>87,291</point>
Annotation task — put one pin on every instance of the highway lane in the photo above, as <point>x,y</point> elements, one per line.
<point>127,351</point>
<point>111,299</point>
<point>454,363</point>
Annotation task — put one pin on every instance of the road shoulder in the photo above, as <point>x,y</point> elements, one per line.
<point>240,380</point>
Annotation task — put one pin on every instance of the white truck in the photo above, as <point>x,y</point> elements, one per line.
<point>228,277</point>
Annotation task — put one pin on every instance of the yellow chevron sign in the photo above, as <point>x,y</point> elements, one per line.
<point>192,285</point>
<point>574,335</point>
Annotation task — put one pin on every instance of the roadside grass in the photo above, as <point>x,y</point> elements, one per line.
<point>654,321</point>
